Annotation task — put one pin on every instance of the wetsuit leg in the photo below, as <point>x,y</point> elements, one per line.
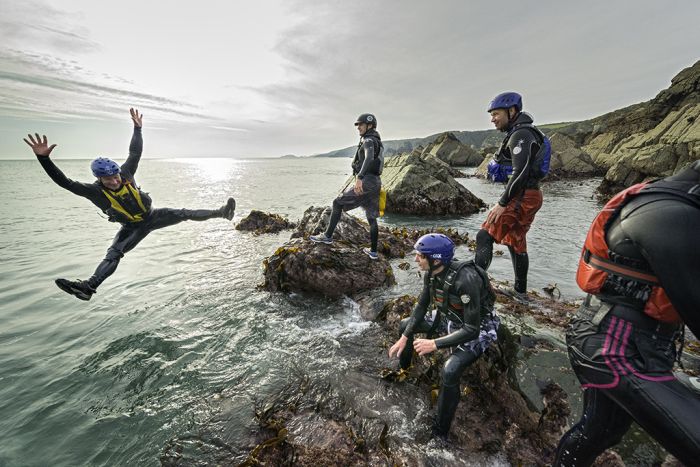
<point>521,264</point>
<point>484,249</point>
<point>165,217</point>
<point>602,425</point>
<point>406,356</point>
<point>448,399</point>
<point>125,240</point>
<point>373,232</point>
<point>335,217</point>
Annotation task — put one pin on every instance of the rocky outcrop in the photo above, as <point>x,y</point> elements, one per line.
<point>317,426</point>
<point>260,222</point>
<point>340,268</point>
<point>329,270</point>
<point>421,184</point>
<point>452,151</point>
<point>568,160</point>
<point>651,139</point>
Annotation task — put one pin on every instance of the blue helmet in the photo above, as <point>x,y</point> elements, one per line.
<point>436,246</point>
<point>103,167</point>
<point>506,100</point>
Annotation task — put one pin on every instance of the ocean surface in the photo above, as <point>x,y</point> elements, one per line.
<point>180,327</point>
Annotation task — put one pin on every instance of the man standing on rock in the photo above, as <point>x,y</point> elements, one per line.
<point>520,164</point>
<point>116,193</point>
<point>366,167</point>
<point>640,265</point>
<point>462,298</point>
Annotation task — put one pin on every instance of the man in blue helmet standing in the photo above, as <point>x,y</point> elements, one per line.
<point>367,166</point>
<point>521,162</point>
<point>460,296</point>
<point>116,193</point>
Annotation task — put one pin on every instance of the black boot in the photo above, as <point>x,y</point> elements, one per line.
<point>79,288</point>
<point>229,208</point>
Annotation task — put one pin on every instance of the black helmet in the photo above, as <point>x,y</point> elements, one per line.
<point>369,119</point>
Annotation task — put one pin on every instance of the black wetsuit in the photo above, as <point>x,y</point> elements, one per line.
<point>625,362</point>
<point>131,233</point>
<point>518,149</point>
<point>367,166</point>
<point>470,327</point>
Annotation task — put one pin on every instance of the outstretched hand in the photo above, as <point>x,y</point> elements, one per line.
<point>136,117</point>
<point>39,146</point>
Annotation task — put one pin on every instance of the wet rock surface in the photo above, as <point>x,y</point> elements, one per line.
<point>330,270</point>
<point>260,222</point>
<point>340,268</point>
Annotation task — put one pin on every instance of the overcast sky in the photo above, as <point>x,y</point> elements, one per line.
<point>275,77</point>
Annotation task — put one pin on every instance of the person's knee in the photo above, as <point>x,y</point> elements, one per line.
<point>483,237</point>
<point>451,373</point>
<point>337,205</point>
<point>114,254</point>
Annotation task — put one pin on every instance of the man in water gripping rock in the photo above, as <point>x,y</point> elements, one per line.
<point>640,266</point>
<point>116,193</point>
<point>366,167</point>
<point>461,299</point>
<point>517,166</point>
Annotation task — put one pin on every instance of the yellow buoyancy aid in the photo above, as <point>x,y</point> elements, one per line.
<point>126,204</point>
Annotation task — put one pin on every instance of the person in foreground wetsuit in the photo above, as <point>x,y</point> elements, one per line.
<point>640,266</point>
<point>509,220</point>
<point>116,193</point>
<point>366,167</point>
<point>460,295</point>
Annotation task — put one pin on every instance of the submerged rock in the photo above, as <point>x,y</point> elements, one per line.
<point>260,222</point>
<point>421,184</point>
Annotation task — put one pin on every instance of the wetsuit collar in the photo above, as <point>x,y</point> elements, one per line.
<point>520,118</point>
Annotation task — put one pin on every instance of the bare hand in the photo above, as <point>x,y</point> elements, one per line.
<point>358,187</point>
<point>424,346</point>
<point>136,117</point>
<point>495,214</point>
<point>39,146</point>
<point>398,347</point>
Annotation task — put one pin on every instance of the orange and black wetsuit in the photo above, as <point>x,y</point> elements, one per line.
<point>623,356</point>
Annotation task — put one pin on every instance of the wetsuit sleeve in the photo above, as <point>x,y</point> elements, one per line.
<point>420,309</point>
<point>86,190</point>
<point>135,150</point>
<point>666,231</point>
<point>523,145</point>
<point>368,149</point>
<point>470,285</point>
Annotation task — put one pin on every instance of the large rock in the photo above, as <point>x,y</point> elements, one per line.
<point>421,184</point>
<point>568,160</point>
<point>330,270</point>
<point>449,149</point>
